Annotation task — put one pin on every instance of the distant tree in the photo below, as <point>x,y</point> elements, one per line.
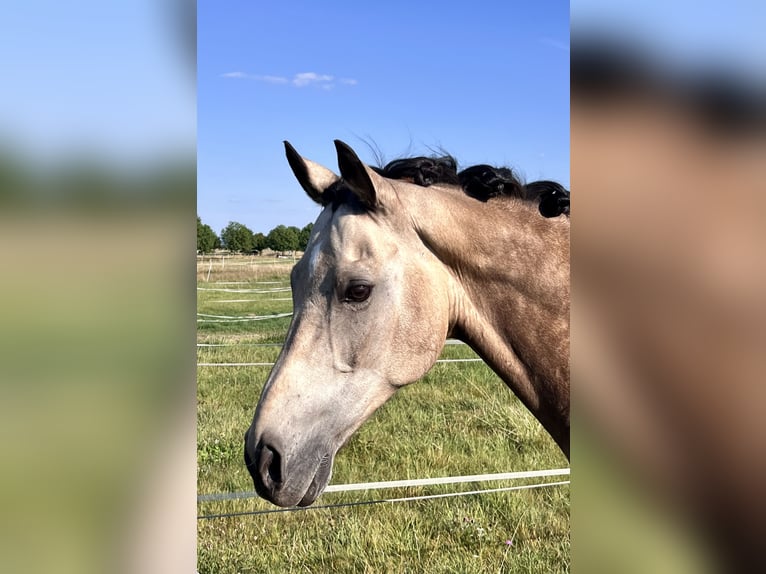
<point>207,240</point>
<point>237,237</point>
<point>259,242</point>
<point>283,238</point>
<point>303,237</point>
<point>294,231</point>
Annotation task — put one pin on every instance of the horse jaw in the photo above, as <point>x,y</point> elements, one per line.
<point>320,481</point>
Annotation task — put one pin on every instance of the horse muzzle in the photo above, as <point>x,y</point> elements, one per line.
<point>299,483</point>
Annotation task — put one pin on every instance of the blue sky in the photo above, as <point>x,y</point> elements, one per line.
<point>105,79</point>
<point>486,81</point>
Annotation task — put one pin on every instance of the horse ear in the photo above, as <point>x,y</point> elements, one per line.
<point>362,180</point>
<point>314,178</point>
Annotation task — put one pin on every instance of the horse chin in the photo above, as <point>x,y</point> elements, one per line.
<point>318,484</point>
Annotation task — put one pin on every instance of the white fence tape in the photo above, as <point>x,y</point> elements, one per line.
<point>468,492</point>
<point>246,344</point>
<point>239,344</point>
<point>272,364</point>
<point>275,290</point>
<point>229,319</point>
<point>370,502</point>
<point>216,301</point>
<point>235,364</point>
<point>447,480</point>
<point>410,483</point>
<point>248,282</point>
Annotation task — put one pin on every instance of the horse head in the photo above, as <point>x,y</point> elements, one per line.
<point>370,314</point>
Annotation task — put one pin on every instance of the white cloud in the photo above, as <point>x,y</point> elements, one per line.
<point>311,78</point>
<point>301,80</point>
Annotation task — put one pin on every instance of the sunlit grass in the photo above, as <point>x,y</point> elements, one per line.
<point>459,419</point>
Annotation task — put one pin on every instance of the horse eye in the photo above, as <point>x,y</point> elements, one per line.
<point>358,293</point>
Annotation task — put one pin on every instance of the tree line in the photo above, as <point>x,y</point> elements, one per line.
<point>239,238</point>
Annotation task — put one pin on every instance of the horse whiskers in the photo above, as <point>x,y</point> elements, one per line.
<point>325,460</point>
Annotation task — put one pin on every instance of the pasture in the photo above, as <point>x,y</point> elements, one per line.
<point>460,419</point>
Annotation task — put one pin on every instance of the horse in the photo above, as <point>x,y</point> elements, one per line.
<point>392,269</point>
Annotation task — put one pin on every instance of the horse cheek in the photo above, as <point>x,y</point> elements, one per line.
<point>423,330</point>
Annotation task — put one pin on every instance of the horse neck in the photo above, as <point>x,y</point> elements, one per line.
<point>509,274</point>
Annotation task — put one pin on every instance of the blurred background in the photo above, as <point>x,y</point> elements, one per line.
<point>97,203</point>
<point>668,150</point>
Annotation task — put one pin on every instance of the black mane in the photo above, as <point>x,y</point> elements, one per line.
<point>423,171</point>
<point>482,182</point>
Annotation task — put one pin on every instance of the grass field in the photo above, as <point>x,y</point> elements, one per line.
<point>460,419</point>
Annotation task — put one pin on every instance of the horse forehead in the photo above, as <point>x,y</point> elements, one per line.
<point>346,236</point>
<point>355,235</point>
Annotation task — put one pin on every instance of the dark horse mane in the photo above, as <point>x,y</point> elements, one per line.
<point>482,182</point>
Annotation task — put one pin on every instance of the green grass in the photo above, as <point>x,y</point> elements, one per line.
<point>459,419</point>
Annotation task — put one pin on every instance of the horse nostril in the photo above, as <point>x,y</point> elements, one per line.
<point>271,464</point>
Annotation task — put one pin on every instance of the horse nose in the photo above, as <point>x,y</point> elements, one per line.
<point>269,464</point>
<point>265,464</point>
